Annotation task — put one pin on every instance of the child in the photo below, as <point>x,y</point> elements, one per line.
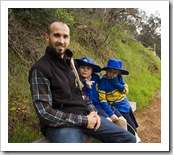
<point>87,72</point>
<point>113,90</point>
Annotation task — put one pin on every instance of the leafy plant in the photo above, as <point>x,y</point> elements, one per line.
<point>62,14</point>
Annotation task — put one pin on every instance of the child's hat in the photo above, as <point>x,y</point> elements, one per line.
<point>116,64</point>
<point>85,61</point>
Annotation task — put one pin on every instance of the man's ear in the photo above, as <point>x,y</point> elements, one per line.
<point>46,37</point>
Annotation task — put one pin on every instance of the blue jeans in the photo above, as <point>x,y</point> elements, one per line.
<point>108,132</point>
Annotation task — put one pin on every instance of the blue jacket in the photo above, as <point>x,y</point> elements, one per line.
<point>113,91</point>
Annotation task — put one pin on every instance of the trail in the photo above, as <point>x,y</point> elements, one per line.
<point>149,121</point>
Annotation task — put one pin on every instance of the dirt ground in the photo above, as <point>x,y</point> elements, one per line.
<point>149,121</point>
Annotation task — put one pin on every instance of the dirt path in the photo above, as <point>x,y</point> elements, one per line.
<point>149,121</point>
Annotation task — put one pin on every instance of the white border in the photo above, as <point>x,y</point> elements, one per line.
<point>162,6</point>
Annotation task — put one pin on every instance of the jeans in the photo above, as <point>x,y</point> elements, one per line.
<point>108,132</point>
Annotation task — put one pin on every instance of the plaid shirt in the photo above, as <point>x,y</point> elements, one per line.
<point>42,99</point>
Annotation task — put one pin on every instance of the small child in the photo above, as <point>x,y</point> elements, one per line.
<point>87,72</point>
<point>113,90</point>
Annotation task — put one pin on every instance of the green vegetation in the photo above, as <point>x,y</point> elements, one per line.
<point>23,123</point>
<point>144,78</point>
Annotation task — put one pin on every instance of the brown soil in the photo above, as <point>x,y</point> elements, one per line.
<point>149,121</point>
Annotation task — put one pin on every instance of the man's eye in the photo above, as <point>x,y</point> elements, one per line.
<point>66,36</point>
<point>56,35</point>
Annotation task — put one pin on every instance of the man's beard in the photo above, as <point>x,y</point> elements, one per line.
<point>60,51</point>
<point>55,48</point>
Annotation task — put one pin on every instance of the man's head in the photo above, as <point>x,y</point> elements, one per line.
<point>58,37</point>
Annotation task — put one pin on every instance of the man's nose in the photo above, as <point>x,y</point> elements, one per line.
<point>61,40</point>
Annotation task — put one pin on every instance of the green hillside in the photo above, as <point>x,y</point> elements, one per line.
<point>94,40</point>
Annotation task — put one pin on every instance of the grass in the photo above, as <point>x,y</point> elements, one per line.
<point>144,78</point>
<point>23,122</point>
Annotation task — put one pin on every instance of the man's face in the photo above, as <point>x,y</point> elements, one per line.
<point>59,37</point>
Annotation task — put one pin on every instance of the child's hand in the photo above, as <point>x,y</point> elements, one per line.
<point>108,119</point>
<point>122,122</point>
<point>114,118</point>
<point>89,83</point>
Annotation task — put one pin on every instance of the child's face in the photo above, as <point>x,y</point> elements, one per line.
<point>111,73</point>
<point>85,71</point>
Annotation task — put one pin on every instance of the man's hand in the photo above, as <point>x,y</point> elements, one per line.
<point>93,121</point>
<point>98,122</point>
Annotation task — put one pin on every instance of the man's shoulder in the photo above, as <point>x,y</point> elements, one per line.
<point>40,63</point>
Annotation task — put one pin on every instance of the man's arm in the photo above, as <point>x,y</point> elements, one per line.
<point>42,99</point>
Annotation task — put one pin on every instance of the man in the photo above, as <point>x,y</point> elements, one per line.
<point>64,114</point>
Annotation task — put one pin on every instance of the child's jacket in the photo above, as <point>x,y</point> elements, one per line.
<point>113,91</point>
<point>93,92</point>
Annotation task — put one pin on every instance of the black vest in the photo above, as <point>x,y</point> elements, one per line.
<point>66,96</point>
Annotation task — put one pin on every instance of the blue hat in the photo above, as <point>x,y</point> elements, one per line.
<point>116,64</point>
<point>85,61</point>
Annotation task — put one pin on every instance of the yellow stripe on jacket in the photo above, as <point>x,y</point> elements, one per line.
<point>114,96</point>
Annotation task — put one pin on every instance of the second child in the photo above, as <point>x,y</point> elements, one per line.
<point>113,90</point>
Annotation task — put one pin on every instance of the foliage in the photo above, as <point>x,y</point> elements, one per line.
<point>150,31</point>
<point>33,18</point>
<point>39,18</point>
<point>22,119</point>
<point>63,15</point>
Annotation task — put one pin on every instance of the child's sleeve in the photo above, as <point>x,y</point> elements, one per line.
<point>115,83</point>
<point>121,81</point>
